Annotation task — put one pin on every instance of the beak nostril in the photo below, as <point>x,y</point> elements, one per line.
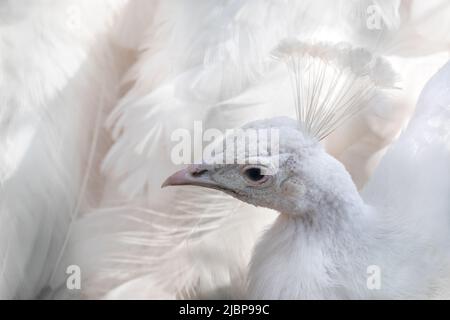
<point>199,173</point>
<point>193,175</point>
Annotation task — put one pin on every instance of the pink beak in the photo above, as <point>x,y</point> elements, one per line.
<point>194,175</point>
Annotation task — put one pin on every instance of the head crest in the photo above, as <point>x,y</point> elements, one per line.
<point>332,82</point>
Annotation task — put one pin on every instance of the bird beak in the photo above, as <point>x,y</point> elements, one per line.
<point>193,175</point>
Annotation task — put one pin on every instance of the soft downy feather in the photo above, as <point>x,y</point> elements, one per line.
<point>60,70</point>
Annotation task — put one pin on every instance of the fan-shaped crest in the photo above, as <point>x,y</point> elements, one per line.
<point>332,82</point>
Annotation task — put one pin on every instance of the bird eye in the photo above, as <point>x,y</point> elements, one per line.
<point>254,175</point>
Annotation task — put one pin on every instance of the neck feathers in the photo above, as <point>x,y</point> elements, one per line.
<point>307,255</point>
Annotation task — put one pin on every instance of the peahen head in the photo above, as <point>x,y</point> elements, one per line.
<point>331,83</point>
<point>293,180</point>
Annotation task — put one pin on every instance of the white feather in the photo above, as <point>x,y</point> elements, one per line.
<point>56,80</point>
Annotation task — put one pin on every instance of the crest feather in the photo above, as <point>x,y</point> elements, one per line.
<point>332,82</point>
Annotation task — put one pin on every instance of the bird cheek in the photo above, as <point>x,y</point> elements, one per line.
<point>292,188</point>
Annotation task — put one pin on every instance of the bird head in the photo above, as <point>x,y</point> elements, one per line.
<point>291,176</point>
<point>331,82</point>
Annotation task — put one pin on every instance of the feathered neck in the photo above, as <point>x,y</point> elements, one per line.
<point>304,254</point>
<point>301,257</point>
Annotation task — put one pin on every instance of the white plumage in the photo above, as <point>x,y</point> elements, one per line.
<point>90,94</point>
<point>327,236</point>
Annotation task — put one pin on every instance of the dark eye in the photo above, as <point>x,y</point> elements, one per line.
<point>254,175</point>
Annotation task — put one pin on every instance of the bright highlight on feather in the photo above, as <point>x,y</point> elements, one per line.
<point>332,82</point>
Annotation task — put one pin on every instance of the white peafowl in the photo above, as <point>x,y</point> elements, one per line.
<point>209,62</point>
<point>90,93</point>
<point>328,236</point>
